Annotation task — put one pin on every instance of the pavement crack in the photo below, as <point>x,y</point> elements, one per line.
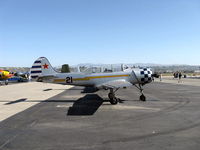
<point>8,141</point>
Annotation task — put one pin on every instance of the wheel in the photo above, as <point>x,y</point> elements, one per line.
<point>142,97</point>
<point>6,82</point>
<point>113,99</point>
<point>111,96</point>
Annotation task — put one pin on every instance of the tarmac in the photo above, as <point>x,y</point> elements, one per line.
<point>83,119</point>
<point>17,97</point>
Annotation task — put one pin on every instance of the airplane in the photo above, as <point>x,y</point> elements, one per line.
<point>113,81</point>
<point>4,76</point>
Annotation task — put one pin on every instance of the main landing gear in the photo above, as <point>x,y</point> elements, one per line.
<point>113,99</point>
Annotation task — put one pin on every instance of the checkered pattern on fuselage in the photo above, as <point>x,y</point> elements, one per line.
<point>146,75</point>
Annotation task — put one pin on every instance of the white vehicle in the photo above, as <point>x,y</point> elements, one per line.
<point>43,71</point>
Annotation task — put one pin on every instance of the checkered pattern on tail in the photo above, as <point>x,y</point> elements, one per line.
<point>146,75</point>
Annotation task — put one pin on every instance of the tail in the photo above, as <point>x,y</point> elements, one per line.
<point>41,67</point>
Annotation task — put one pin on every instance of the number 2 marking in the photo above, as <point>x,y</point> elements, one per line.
<point>69,80</point>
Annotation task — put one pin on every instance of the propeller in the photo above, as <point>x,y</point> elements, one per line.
<point>155,75</point>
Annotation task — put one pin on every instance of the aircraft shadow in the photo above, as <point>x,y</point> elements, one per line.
<point>47,89</point>
<point>86,105</point>
<point>89,90</point>
<point>76,88</point>
<point>41,101</point>
<point>82,89</point>
<point>16,101</point>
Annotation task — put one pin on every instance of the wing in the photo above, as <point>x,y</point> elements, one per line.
<point>114,84</point>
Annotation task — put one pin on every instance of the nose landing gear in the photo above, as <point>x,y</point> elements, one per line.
<point>142,97</point>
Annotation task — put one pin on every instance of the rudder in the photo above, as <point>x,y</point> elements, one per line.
<point>41,67</point>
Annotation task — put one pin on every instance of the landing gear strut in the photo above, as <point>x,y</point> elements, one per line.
<point>142,97</point>
<point>113,99</point>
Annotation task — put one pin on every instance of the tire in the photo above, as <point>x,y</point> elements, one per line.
<point>142,98</point>
<point>114,101</point>
<point>111,96</point>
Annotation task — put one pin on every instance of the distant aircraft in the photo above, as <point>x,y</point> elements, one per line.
<point>4,76</point>
<point>43,71</point>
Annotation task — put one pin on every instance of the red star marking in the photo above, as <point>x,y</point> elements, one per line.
<point>45,66</point>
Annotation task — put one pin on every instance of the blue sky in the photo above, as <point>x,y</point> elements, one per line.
<point>99,31</point>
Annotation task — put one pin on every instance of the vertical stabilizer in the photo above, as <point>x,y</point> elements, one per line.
<point>41,67</point>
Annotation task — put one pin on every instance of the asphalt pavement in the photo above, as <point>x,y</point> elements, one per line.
<point>83,119</point>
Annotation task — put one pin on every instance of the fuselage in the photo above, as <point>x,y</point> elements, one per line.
<point>43,71</point>
<point>4,75</point>
<point>95,79</point>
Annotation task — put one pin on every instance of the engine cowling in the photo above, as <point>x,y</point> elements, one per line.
<point>146,75</point>
<point>142,76</point>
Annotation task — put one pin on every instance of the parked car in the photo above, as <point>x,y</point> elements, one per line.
<point>17,79</point>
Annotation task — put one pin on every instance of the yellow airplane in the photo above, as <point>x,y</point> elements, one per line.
<point>4,76</point>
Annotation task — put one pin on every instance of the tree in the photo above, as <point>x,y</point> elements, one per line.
<point>65,68</point>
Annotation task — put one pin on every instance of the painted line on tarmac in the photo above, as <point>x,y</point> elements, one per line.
<point>117,107</point>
